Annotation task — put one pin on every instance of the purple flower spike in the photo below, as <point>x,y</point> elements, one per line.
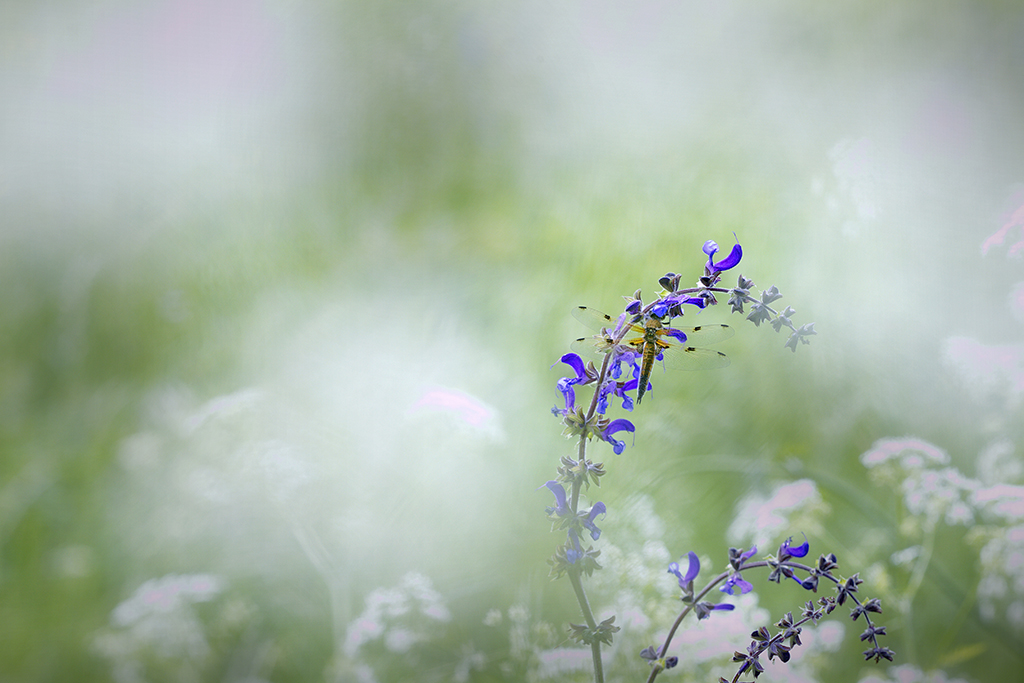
<point>730,261</point>
<point>617,426</point>
<point>691,571</point>
<point>598,509</point>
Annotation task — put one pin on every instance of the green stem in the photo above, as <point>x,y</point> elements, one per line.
<point>588,616</point>
<point>914,585</point>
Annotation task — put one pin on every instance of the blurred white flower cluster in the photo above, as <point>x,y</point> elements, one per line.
<point>158,623</point>
<point>399,617</point>
<point>992,507</point>
<point>403,630</point>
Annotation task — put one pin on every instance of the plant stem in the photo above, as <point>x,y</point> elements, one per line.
<point>588,615</point>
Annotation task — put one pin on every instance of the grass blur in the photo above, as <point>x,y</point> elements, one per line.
<point>283,283</point>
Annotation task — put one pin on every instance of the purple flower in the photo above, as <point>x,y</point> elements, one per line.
<point>736,581</point>
<point>691,572</point>
<point>609,388</point>
<point>730,261</point>
<point>565,385</point>
<point>661,308</point>
<point>672,305</point>
<point>653,657</point>
<point>627,355</point>
<point>576,363</point>
<point>588,523</point>
<point>679,335</point>
<point>786,550</point>
<point>704,609</point>
<point>616,426</point>
<point>560,508</point>
<point>575,550</point>
<point>620,391</point>
<point>737,557</point>
<point>697,301</point>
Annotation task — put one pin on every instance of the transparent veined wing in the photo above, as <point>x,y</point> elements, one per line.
<point>684,357</point>
<point>593,348</point>
<point>596,320</point>
<point>677,355</point>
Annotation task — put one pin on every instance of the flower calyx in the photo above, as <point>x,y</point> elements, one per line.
<point>658,662</point>
<point>602,633</point>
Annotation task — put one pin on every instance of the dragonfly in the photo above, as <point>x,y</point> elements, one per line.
<point>653,340</point>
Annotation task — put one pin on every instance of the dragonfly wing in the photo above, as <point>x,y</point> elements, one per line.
<point>704,335</point>
<point>678,357</point>
<point>688,355</point>
<point>594,319</point>
<point>587,348</point>
<point>595,346</point>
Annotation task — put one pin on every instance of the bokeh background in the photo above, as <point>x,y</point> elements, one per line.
<point>282,285</point>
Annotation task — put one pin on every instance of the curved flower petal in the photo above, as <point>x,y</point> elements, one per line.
<point>691,572</point>
<point>565,384</point>
<point>576,363</point>
<point>697,301</point>
<point>731,261</point>
<point>560,502</point>
<point>676,334</point>
<point>617,426</point>
<point>736,581</point>
<point>786,550</point>
<point>704,609</point>
<point>568,393</point>
<point>598,509</point>
<point>627,400</point>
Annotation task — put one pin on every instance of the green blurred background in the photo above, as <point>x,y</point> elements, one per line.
<point>282,284</point>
